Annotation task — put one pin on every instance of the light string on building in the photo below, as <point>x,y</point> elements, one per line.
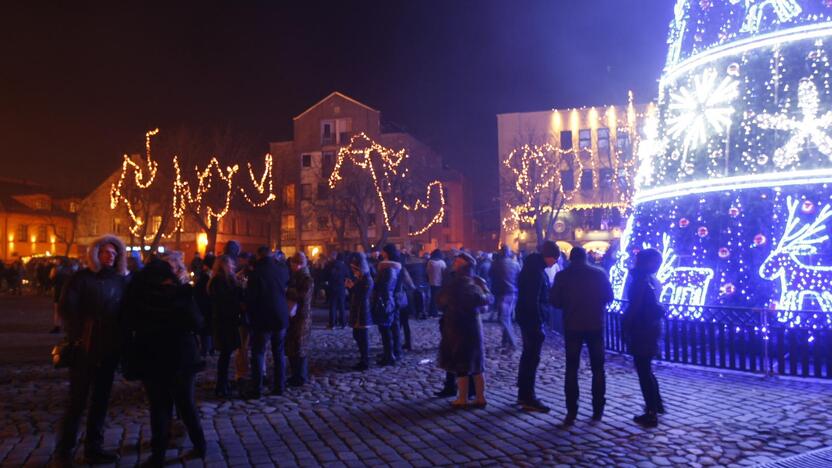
<point>388,173</point>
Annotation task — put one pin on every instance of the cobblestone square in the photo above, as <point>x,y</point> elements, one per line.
<point>389,416</point>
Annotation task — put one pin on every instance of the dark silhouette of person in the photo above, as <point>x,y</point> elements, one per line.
<point>532,315</point>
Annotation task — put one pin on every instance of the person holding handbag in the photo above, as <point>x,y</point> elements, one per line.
<point>641,326</point>
<point>90,307</point>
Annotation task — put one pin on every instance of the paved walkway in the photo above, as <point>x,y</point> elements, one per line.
<point>388,416</point>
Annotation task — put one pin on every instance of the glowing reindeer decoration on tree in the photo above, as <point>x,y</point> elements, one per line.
<point>682,287</point>
<point>799,281</point>
<point>785,10</point>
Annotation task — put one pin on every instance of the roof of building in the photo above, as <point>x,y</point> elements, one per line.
<point>331,95</point>
<point>10,188</point>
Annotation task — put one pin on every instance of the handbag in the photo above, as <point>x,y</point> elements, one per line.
<point>64,353</point>
<point>293,307</point>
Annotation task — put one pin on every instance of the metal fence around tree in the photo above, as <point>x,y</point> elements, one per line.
<point>743,339</point>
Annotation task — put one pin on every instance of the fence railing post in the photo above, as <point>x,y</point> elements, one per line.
<point>767,368</point>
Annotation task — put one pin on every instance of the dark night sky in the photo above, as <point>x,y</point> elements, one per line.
<point>80,84</point>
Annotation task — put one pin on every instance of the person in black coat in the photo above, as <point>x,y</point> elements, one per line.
<point>90,308</point>
<point>583,292</point>
<point>268,314</point>
<point>360,285</point>
<point>641,326</point>
<point>161,319</point>
<point>337,293</point>
<point>532,314</point>
<point>226,305</point>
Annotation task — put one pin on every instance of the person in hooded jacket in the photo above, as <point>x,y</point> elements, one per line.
<point>385,308</point>
<point>641,327</point>
<point>532,315</point>
<point>360,285</point>
<point>162,320</point>
<point>337,293</point>
<point>226,297</point>
<point>301,291</point>
<point>90,308</point>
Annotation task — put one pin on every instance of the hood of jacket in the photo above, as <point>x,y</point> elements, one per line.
<point>120,264</point>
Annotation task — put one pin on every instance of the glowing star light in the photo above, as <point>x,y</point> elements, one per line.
<point>811,128</point>
<point>702,109</point>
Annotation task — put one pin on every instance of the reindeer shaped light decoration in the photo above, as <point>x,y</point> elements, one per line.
<point>799,281</point>
<point>684,288</point>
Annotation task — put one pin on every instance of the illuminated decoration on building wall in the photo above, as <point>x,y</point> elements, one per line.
<point>183,195</point>
<point>387,170</point>
<point>744,205</point>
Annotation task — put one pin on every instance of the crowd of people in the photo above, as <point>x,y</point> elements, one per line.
<point>159,321</point>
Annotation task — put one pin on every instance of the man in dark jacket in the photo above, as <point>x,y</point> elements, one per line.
<point>337,293</point>
<point>504,271</point>
<point>532,314</point>
<point>90,307</point>
<point>269,317</point>
<point>583,292</point>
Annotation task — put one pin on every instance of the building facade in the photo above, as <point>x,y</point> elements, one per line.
<point>569,173</point>
<point>304,165</point>
<point>35,223</point>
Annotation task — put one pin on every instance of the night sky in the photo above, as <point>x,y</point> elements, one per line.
<point>80,84</point>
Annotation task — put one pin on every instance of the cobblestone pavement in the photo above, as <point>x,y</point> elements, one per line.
<point>388,416</point>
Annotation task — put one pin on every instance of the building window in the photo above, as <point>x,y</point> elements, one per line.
<point>604,142</point>
<point>323,191</point>
<point>73,207</point>
<point>288,222</point>
<point>61,233</point>
<point>43,232</point>
<point>605,178</point>
<point>94,227</point>
<point>156,224</point>
<point>307,223</point>
<point>306,160</point>
<point>566,140</point>
<point>40,204</point>
<point>567,179</point>
<point>117,226</point>
<point>327,165</point>
<point>306,192</point>
<point>327,132</point>
<point>22,234</point>
<point>323,223</point>
<point>289,196</point>
<point>371,220</point>
<point>586,179</point>
<point>622,143</point>
<point>585,139</point>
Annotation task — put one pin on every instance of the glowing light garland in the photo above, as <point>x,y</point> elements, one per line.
<point>143,179</point>
<point>392,171</point>
<point>260,185</point>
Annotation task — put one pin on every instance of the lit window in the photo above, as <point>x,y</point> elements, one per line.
<point>306,160</point>
<point>585,139</point>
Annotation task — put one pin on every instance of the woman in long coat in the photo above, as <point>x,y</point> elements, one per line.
<point>461,350</point>
<point>641,325</point>
<point>361,290</point>
<point>162,319</point>
<point>226,299</point>
<point>300,291</point>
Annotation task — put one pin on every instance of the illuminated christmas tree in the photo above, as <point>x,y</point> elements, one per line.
<point>733,182</point>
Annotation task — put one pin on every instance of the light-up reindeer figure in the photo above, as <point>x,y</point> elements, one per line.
<point>786,10</point>
<point>619,271</point>
<point>799,281</point>
<point>682,287</point>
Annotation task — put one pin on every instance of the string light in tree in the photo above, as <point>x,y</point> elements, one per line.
<point>433,187</point>
<point>387,173</point>
<point>143,178</point>
<point>264,186</point>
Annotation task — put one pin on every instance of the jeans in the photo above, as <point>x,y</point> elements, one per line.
<point>649,384</point>
<point>83,379</point>
<point>595,343</point>
<point>258,358</point>
<point>391,339</point>
<point>434,291</point>
<point>163,393</point>
<point>222,370</point>
<point>532,344</point>
<point>362,339</point>
<point>337,307</point>
<point>242,370</point>
<point>404,316</point>
<point>505,307</point>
